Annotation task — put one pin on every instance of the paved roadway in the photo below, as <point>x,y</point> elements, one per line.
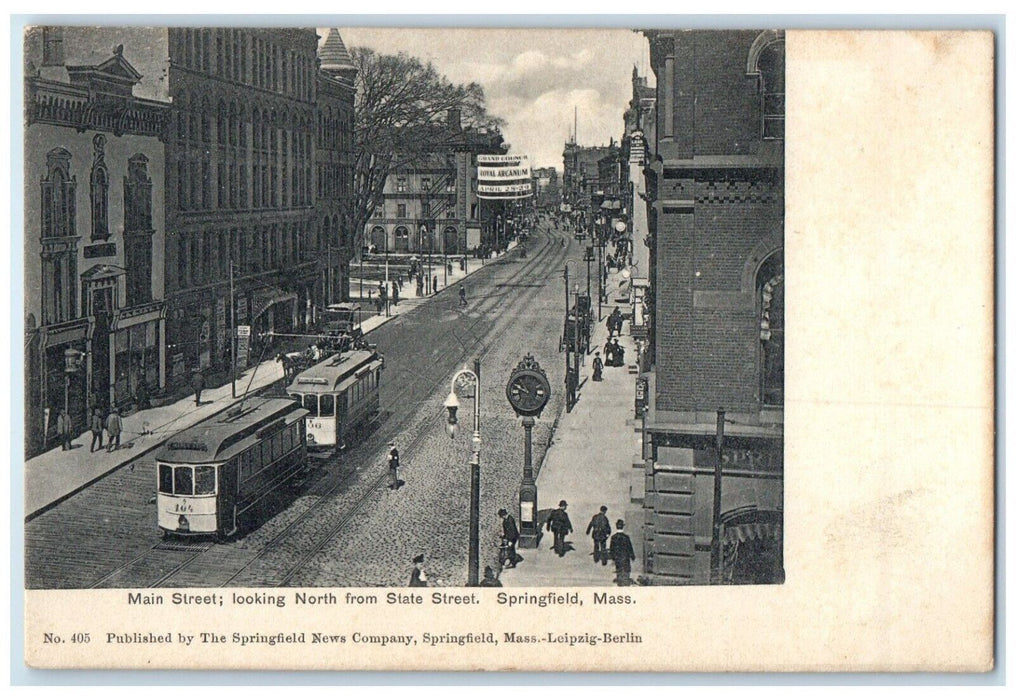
<point>341,527</point>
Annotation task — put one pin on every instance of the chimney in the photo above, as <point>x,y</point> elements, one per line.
<point>455,118</point>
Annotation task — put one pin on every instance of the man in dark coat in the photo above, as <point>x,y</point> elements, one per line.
<point>599,527</point>
<point>393,466</point>
<point>623,555</point>
<point>490,578</point>
<point>559,523</point>
<point>96,426</point>
<point>510,535</point>
<point>418,578</point>
<point>63,429</point>
<point>114,425</point>
<point>197,384</point>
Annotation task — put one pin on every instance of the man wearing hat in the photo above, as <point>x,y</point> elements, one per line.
<point>510,537</point>
<point>418,579</point>
<point>599,526</point>
<point>623,555</point>
<point>393,466</point>
<point>559,523</point>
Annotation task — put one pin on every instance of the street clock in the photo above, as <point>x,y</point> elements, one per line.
<point>528,388</point>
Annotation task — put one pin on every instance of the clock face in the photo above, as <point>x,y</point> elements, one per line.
<point>528,392</point>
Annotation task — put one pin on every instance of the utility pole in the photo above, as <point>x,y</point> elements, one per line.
<point>716,560</point>
<point>232,330</point>
<point>567,348</point>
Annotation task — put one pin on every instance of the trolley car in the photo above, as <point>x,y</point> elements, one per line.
<point>340,396</point>
<point>214,471</point>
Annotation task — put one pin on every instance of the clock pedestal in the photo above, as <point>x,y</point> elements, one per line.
<point>529,527</point>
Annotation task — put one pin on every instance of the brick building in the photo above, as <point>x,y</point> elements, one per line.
<point>715,182</point>
<point>547,189</point>
<point>240,193</point>
<point>430,203</point>
<point>249,167</point>
<point>94,230</point>
<point>581,179</point>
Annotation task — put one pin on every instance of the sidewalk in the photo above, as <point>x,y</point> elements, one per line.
<point>57,474</point>
<point>589,464</point>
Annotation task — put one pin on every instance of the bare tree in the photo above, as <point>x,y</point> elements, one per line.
<point>401,114</point>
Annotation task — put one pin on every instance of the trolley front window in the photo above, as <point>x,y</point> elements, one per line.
<point>183,481</point>
<point>165,478</point>
<point>310,403</point>
<point>204,481</point>
<point>327,405</point>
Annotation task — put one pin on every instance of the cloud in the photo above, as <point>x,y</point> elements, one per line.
<point>533,78</point>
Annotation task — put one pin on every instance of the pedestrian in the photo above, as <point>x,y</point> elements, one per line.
<point>197,384</point>
<point>418,579</point>
<point>608,353</point>
<point>393,466</point>
<point>559,523</point>
<point>96,426</point>
<point>617,353</point>
<point>615,321</point>
<point>510,537</point>
<point>490,578</point>
<point>433,287</point>
<point>597,368</point>
<point>63,429</point>
<point>599,527</point>
<point>623,555</point>
<point>114,424</point>
<point>462,295</point>
<point>419,286</point>
<point>395,294</point>
<point>141,397</point>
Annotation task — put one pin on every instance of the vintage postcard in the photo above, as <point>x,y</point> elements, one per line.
<point>678,340</point>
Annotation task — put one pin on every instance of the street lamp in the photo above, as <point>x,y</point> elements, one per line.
<point>452,405</point>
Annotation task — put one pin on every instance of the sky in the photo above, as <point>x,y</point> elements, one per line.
<point>534,79</point>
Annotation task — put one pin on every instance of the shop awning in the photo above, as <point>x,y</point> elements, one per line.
<point>267,297</point>
<point>747,532</point>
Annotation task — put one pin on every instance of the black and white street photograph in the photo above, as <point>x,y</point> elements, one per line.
<point>354,307</point>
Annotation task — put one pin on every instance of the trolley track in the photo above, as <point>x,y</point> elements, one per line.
<point>234,563</point>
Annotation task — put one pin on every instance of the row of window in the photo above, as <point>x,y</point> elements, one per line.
<point>335,132</point>
<point>334,181</point>
<point>279,162</point>
<point>269,451</point>
<point>246,57</point>
<point>445,183</point>
<point>203,258</point>
<point>59,189</point>
<point>323,405</point>
<point>186,480</point>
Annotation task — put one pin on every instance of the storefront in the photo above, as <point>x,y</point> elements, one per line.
<point>138,363</point>
<point>681,545</point>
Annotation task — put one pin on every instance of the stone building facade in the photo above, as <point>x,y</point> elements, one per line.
<point>713,433</point>
<point>94,232</point>
<point>430,203</point>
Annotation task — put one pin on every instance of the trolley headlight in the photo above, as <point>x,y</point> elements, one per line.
<point>183,524</point>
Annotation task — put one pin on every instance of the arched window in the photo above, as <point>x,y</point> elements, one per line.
<point>769,288</point>
<point>58,196</point>
<point>99,190</point>
<point>137,189</point>
<point>401,239</point>
<point>766,60</point>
